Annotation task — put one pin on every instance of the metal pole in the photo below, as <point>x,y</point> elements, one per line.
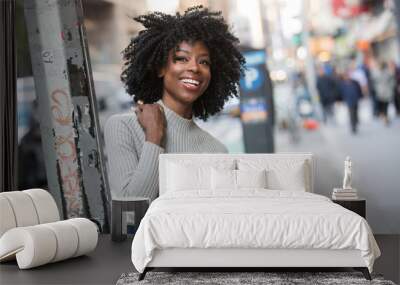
<point>8,98</point>
<point>67,104</point>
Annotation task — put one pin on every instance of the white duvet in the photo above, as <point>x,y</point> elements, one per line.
<point>250,219</point>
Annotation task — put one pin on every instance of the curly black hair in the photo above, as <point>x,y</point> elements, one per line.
<point>148,52</point>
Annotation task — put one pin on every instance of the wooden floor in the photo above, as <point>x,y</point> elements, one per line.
<point>389,262</point>
<point>103,266</point>
<point>110,260</point>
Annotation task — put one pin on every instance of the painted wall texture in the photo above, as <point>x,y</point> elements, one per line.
<point>67,106</point>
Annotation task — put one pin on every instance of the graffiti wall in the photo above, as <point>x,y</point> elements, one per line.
<point>67,106</point>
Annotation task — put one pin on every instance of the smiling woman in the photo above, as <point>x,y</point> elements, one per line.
<point>177,68</point>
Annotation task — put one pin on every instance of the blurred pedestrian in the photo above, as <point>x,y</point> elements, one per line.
<point>384,82</point>
<point>366,66</point>
<point>327,90</point>
<point>396,95</point>
<point>358,74</point>
<point>31,170</point>
<point>337,78</point>
<point>351,93</point>
<point>304,107</point>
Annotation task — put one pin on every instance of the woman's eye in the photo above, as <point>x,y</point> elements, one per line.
<point>180,58</point>
<point>205,62</point>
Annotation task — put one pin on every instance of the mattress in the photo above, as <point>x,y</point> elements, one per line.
<point>251,219</point>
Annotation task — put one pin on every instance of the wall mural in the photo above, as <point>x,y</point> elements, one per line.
<point>68,112</point>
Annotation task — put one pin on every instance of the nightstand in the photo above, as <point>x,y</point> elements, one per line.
<point>119,207</point>
<point>358,206</point>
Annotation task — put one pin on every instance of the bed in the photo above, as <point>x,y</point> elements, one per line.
<point>247,210</point>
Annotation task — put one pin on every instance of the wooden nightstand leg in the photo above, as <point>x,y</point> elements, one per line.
<point>140,211</point>
<point>364,271</point>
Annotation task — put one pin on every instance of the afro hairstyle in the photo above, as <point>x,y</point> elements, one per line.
<point>148,52</point>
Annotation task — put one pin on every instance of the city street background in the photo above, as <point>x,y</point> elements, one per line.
<point>374,151</point>
<point>324,63</point>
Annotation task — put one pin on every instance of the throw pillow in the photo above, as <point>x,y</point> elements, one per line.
<point>223,179</point>
<point>251,178</point>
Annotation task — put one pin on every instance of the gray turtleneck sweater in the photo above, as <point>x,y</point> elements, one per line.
<point>133,162</point>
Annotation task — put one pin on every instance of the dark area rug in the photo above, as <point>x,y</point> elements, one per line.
<point>269,278</point>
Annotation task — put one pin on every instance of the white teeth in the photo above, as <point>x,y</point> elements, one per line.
<point>191,81</point>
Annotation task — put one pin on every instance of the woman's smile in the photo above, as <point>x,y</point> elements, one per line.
<point>191,84</point>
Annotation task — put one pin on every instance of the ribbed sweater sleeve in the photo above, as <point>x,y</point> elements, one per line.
<point>132,166</point>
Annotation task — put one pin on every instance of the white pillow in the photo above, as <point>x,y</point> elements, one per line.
<point>195,174</point>
<point>183,178</point>
<point>288,174</point>
<point>226,179</point>
<point>288,179</point>
<point>251,178</point>
<point>223,179</point>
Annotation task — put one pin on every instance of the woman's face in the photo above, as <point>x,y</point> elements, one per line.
<point>187,73</point>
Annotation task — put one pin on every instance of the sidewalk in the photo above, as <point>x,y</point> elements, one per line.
<point>375,152</point>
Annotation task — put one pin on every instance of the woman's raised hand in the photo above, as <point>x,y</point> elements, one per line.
<point>152,119</point>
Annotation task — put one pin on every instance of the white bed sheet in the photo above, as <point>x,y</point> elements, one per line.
<point>252,218</point>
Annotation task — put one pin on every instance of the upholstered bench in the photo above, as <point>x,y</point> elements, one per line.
<point>31,231</point>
